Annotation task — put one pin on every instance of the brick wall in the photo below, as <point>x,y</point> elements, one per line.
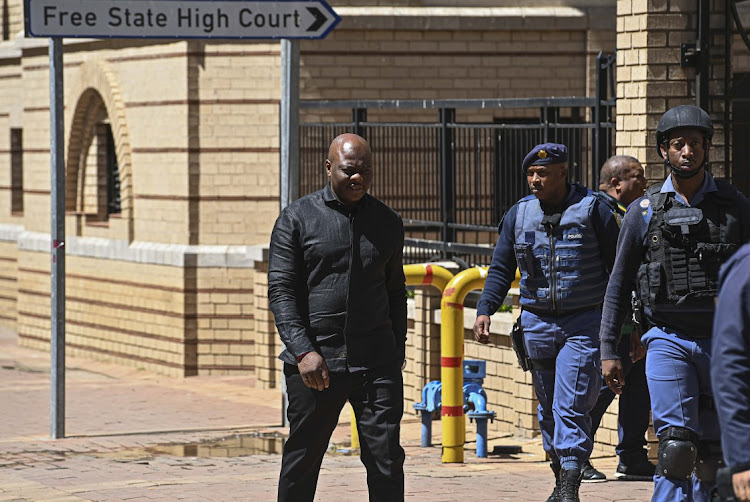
<point>236,88</point>
<point>267,343</point>
<point>177,310</point>
<point>443,64</point>
<point>8,283</point>
<point>223,317</point>
<point>11,15</point>
<point>650,79</point>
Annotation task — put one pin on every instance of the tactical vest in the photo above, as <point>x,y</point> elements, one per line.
<point>686,246</point>
<point>561,269</point>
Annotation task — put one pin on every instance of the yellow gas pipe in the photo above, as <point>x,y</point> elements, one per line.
<point>451,360</point>
<point>425,274</point>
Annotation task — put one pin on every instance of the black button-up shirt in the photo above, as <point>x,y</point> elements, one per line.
<point>336,282</point>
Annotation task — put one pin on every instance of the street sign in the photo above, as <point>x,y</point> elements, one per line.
<point>179,19</point>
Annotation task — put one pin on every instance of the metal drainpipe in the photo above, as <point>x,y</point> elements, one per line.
<point>703,66</point>
<point>451,359</point>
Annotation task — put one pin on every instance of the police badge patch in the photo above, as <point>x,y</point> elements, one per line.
<point>646,210</point>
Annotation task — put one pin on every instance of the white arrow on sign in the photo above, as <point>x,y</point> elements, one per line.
<point>179,19</point>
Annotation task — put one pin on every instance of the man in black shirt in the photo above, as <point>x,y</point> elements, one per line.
<point>337,291</point>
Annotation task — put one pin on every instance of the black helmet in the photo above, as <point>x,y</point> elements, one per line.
<point>683,116</point>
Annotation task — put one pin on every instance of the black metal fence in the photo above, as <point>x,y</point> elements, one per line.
<point>453,180</point>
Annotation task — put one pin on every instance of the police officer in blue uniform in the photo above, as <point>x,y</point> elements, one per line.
<point>622,182</point>
<point>563,242</point>
<point>730,370</point>
<point>673,241</point>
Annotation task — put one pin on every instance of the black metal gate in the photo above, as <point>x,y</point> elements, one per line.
<point>452,180</point>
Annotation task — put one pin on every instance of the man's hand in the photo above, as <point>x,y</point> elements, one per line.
<point>612,373</point>
<point>482,329</point>
<point>741,485</point>
<point>314,371</point>
<point>637,350</point>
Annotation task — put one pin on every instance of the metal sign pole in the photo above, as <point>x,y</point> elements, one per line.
<point>289,134</point>
<point>289,121</point>
<point>57,296</point>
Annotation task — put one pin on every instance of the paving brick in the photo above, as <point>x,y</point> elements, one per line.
<point>115,415</point>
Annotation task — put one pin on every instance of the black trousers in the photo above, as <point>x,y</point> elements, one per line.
<point>377,398</point>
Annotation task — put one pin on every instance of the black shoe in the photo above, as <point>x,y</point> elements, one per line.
<point>591,475</point>
<point>570,482</point>
<point>555,496</point>
<point>636,470</point>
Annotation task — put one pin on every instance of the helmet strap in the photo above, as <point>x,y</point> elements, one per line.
<point>683,174</point>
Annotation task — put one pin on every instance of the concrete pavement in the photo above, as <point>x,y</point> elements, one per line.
<point>136,436</point>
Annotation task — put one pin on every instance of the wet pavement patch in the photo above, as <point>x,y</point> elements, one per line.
<point>237,445</point>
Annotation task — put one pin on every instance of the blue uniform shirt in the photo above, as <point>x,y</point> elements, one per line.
<point>502,271</point>
<point>730,359</point>
<point>631,248</point>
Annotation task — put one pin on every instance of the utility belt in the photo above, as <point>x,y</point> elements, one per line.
<point>519,347</point>
<point>558,312</point>
<point>696,335</point>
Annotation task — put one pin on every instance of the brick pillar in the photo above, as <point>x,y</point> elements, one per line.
<point>650,79</point>
<point>267,343</point>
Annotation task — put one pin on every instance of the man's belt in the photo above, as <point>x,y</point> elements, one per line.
<point>519,347</point>
<point>557,312</point>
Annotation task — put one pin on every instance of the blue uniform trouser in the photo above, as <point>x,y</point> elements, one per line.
<point>634,411</point>
<point>678,373</point>
<point>566,394</point>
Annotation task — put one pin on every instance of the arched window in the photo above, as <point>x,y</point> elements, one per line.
<point>111,172</point>
<point>97,174</point>
<point>98,167</point>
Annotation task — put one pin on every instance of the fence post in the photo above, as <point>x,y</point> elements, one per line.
<point>359,118</point>
<point>497,165</point>
<point>601,136</point>
<point>545,124</point>
<point>448,176</point>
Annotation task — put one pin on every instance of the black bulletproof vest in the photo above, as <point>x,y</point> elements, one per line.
<point>686,246</point>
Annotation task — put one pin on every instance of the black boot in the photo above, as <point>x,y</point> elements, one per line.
<point>555,497</point>
<point>570,482</point>
<point>635,468</point>
<point>591,474</point>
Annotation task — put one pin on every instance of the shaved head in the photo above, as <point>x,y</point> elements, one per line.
<point>349,168</point>
<point>347,142</point>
